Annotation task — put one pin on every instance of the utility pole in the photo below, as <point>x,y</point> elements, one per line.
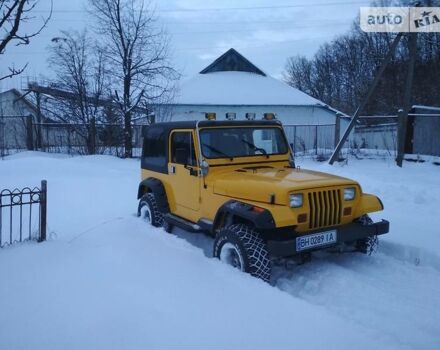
<point>367,97</point>
<point>403,114</point>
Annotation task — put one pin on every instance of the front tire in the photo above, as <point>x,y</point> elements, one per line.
<point>242,247</point>
<point>149,211</point>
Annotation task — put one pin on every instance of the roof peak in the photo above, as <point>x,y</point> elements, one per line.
<point>233,61</point>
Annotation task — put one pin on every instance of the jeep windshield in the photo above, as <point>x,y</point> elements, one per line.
<point>242,142</point>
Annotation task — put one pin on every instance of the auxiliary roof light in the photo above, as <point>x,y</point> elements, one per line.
<point>210,116</point>
<point>250,116</point>
<point>231,116</point>
<point>269,116</point>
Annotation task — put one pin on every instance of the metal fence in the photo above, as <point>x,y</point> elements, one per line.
<point>317,141</point>
<point>374,139</point>
<point>311,140</point>
<point>2,139</point>
<point>82,139</point>
<point>23,215</point>
<point>18,133</point>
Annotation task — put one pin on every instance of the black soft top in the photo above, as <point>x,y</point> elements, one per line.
<point>191,124</point>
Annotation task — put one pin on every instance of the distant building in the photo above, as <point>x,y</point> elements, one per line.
<point>13,103</point>
<point>18,116</point>
<point>15,110</point>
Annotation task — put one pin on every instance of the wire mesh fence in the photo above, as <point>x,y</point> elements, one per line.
<point>83,139</point>
<point>311,140</point>
<point>379,139</point>
<point>19,133</point>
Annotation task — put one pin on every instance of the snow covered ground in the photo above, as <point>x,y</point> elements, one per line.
<point>104,280</point>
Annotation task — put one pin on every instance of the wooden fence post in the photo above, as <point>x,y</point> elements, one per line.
<point>43,211</point>
<point>337,133</point>
<point>401,133</point>
<point>29,133</point>
<point>316,139</point>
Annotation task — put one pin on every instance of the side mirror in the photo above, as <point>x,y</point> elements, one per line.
<point>204,168</point>
<point>181,156</point>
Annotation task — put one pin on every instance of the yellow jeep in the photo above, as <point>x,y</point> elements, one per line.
<point>237,181</point>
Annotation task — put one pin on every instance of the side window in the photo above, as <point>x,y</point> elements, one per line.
<point>182,148</point>
<point>154,150</point>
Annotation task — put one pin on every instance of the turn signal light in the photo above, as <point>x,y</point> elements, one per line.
<point>257,209</point>
<point>302,218</point>
<point>347,211</point>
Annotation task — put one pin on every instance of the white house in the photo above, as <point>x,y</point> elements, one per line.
<point>233,84</point>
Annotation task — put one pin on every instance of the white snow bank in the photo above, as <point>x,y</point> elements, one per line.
<point>240,88</point>
<point>105,280</point>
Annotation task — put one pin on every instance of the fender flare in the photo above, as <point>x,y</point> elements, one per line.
<point>233,210</point>
<point>158,189</point>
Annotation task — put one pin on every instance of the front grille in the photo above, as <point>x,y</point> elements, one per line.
<point>325,208</point>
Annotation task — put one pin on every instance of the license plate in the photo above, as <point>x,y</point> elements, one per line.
<point>316,240</point>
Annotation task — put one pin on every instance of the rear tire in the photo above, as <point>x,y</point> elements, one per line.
<point>242,247</point>
<point>148,210</point>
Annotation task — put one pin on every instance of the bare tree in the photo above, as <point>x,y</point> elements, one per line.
<point>13,14</point>
<point>138,54</point>
<point>79,66</point>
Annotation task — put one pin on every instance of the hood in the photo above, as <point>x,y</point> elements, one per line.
<point>257,184</point>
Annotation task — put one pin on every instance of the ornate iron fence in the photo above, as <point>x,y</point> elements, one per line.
<point>23,215</point>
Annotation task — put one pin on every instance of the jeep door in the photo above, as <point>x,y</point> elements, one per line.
<point>184,173</point>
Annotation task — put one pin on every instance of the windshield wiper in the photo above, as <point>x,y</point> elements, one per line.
<point>218,151</point>
<point>255,148</point>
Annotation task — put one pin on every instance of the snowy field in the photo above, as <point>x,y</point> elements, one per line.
<point>104,280</point>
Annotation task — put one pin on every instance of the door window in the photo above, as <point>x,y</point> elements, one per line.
<point>182,148</point>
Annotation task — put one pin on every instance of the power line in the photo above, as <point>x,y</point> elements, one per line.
<point>264,7</point>
<point>318,24</point>
<point>219,9</point>
<point>195,48</point>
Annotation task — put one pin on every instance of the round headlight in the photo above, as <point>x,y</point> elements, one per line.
<point>349,193</point>
<point>296,200</point>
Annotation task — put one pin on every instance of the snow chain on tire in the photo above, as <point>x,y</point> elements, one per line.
<point>156,216</point>
<point>251,247</point>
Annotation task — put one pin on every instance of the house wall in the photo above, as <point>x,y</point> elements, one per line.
<point>13,130</point>
<point>295,115</point>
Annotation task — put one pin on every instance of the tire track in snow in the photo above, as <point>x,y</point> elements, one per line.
<point>384,293</point>
<point>393,293</point>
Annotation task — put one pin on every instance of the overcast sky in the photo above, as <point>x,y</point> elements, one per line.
<point>267,32</point>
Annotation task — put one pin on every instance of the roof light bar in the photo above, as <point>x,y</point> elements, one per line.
<point>269,116</point>
<point>231,116</point>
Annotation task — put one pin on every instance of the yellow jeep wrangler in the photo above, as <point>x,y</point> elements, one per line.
<point>237,181</point>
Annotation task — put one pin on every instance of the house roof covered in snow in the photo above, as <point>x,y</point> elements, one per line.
<point>233,80</point>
